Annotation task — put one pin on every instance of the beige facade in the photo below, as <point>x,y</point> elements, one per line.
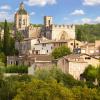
<point>33,32</point>
<point>62,32</point>
<point>75,64</point>
<point>47,46</point>
<point>91,48</point>
<point>40,61</point>
<point>48,21</point>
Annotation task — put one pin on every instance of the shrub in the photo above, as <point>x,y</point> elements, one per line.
<point>17,69</point>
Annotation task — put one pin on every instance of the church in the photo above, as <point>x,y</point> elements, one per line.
<point>36,34</point>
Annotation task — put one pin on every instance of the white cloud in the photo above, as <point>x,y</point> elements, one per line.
<point>32,13</point>
<point>97,20</point>
<point>5,7</point>
<point>91,21</point>
<point>78,12</point>
<point>40,2</point>
<point>86,20</point>
<point>91,2</point>
<point>6,15</point>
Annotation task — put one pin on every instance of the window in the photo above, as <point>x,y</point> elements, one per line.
<point>16,62</point>
<point>44,44</point>
<point>20,23</point>
<point>23,21</point>
<point>71,43</point>
<point>49,22</point>
<point>87,58</point>
<point>77,44</point>
<point>36,52</point>
<point>11,62</point>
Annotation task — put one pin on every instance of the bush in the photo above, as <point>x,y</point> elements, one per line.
<point>2,69</point>
<point>17,69</point>
<point>60,52</point>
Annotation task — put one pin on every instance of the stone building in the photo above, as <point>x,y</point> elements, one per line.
<point>47,46</point>
<point>91,48</point>
<point>40,61</point>
<point>21,18</point>
<point>75,64</point>
<point>49,30</point>
<point>57,32</point>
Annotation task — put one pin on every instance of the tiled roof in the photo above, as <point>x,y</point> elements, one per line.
<point>37,57</point>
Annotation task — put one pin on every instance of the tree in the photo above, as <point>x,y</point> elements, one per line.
<point>90,73</point>
<point>88,32</point>
<point>6,42</point>
<point>98,76</point>
<point>40,90</point>
<point>60,52</point>
<point>19,38</point>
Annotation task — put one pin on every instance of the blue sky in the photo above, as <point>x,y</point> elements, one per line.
<point>63,11</point>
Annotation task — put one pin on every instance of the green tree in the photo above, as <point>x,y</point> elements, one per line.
<point>98,76</point>
<point>60,52</point>
<point>88,32</point>
<point>6,42</point>
<point>40,90</point>
<point>90,73</point>
<point>19,38</point>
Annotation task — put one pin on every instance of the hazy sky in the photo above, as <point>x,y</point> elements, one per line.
<point>63,11</point>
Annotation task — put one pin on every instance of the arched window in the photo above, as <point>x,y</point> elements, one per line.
<point>23,21</point>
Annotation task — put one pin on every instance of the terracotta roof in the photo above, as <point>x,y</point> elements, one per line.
<point>88,45</point>
<point>37,57</point>
<point>52,41</point>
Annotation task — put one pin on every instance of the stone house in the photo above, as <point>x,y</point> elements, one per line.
<point>40,61</point>
<point>91,48</point>
<point>75,64</point>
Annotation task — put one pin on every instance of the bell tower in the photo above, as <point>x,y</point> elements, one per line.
<point>21,5</point>
<point>48,21</point>
<point>21,18</point>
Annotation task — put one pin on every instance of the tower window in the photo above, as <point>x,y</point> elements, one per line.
<point>23,21</point>
<point>49,22</point>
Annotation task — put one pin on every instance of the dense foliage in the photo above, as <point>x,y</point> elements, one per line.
<point>46,85</point>
<point>88,32</point>
<point>92,75</point>
<point>7,44</point>
<point>16,69</point>
<point>60,52</point>
<point>10,24</point>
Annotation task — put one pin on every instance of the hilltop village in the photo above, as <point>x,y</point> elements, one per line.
<point>36,44</point>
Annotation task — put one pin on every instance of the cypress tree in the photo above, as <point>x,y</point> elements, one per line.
<point>6,41</point>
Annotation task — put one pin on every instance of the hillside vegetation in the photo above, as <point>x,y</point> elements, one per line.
<point>10,24</point>
<point>88,32</point>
